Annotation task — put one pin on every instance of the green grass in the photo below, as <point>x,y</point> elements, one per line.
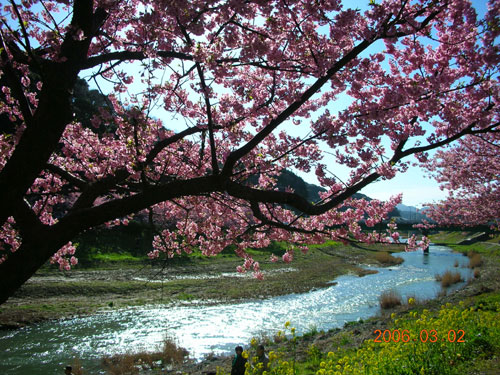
<point>185,297</point>
<point>489,248</point>
<point>485,301</point>
<point>450,237</point>
<point>481,248</point>
<point>129,246</point>
<point>116,258</point>
<point>326,243</point>
<point>454,237</point>
<point>312,331</point>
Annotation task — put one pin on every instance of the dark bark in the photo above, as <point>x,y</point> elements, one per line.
<point>33,254</point>
<point>36,144</point>
<point>53,113</point>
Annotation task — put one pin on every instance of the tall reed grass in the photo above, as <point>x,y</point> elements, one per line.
<point>133,363</point>
<point>449,278</point>
<point>475,259</point>
<point>385,258</point>
<point>390,299</point>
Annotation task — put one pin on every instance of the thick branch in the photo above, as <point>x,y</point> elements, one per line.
<point>92,191</point>
<point>92,62</point>
<point>14,82</point>
<point>265,221</point>
<point>66,175</point>
<point>27,220</point>
<point>208,106</point>
<point>88,217</point>
<point>292,199</point>
<point>171,140</point>
<point>466,131</point>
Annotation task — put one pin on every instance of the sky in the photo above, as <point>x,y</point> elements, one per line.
<point>417,188</point>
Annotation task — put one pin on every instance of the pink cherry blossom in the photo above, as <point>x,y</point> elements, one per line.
<point>288,257</point>
<point>273,258</point>
<point>470,171</point>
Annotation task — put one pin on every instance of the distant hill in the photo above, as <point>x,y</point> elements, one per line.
<point>411,214</point>
<point>288,179</point>
<point>307,190</point>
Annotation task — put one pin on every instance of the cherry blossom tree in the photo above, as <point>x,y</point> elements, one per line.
<point>242,77</point>
<point>470,171</point>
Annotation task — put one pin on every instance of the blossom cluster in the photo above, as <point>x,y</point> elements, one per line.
<point>61,257</point>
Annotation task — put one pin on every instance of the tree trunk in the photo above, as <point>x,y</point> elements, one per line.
<point>22,264</point>
<point>37,143</point>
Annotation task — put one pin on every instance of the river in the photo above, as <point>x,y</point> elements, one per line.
<point>44,348</point>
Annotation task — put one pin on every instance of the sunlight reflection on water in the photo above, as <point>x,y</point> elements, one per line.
<point>45,347</point>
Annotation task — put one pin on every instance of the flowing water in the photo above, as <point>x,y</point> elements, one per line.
<point>44,348</point>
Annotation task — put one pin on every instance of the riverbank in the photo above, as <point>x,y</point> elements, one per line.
<point>314,351</point>
<point>52,294</point>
